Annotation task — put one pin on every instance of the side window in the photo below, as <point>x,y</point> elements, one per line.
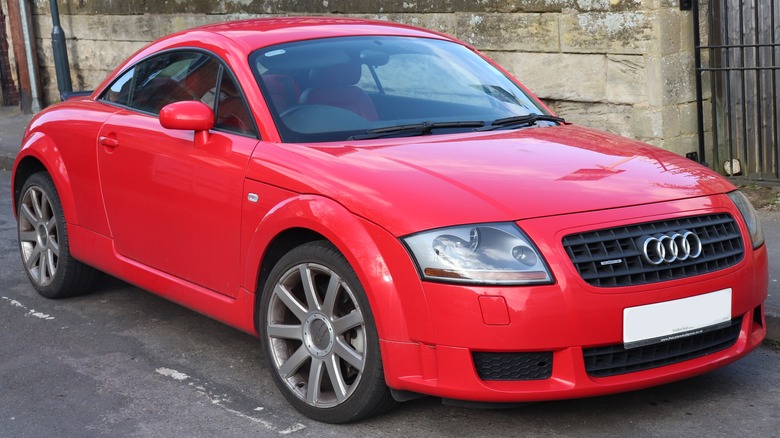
<point>232,113</point>
<point>164,79</point>
<point>183,75</point>
<point>119,92</point>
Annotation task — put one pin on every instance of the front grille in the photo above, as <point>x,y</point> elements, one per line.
<point>513,366</point>
<point>612,257</point>
<point>615,359</point>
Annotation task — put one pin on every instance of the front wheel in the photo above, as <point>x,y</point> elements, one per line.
<point>43,242</point>
<point>319,337</point>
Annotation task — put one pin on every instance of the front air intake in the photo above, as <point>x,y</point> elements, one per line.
<point>513,366</point>
<point>613,360</point>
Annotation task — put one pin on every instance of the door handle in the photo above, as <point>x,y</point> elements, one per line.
<point>108,142</point>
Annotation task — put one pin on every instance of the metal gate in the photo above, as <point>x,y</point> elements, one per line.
<point>738,86</point>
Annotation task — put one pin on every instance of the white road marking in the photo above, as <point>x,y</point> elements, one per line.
<point>167,372</point>
<point>221,400</point>
<point>295,428</point>
<point>30,312</point>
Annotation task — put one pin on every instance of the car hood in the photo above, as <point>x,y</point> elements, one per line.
<point>412,184</point>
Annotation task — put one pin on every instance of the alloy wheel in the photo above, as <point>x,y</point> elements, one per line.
<point>39,235</point>
<point>316,333</point>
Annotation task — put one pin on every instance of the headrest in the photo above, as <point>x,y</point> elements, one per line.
<point>340,74</point>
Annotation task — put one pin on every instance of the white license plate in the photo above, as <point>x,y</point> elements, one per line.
<point>670,320</point>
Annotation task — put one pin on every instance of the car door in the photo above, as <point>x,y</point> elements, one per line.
<point>173,206</point>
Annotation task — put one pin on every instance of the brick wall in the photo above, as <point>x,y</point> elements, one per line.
<point>625,66</point>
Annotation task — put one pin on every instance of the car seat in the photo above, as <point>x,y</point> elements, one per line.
<point>335,86</point>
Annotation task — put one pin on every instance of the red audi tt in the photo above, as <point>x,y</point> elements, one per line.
<point>393,215</point>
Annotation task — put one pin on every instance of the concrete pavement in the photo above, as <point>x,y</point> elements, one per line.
<point>12,124</point>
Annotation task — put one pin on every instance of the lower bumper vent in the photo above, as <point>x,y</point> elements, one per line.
<point>513,366</point>
<point>614,359</point>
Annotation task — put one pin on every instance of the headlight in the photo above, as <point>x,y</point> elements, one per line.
<point>480,254</point>
<point>750,216</point>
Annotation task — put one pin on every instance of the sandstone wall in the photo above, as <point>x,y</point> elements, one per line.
<point>621,65</point>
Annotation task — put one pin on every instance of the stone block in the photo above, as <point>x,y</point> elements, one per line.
<point>689,119</point>
<point>558,76</point>
<point>650,4</point>
<point>144,28</point>
<point>606,117</point>
<point>353,7</point>
<point>678,78</point>
<point>49,93</point>
<point>593,5</point>
<point>89,54</point>
<point>628,32</point>
<point>625,5</point>
<point>82,80</point>
<point>686,31</point>
<point>646,123</point>
<point>626,79</point>
<point>669,37</point>
<point>487,6</point>
<point>185,7</point>
<point>704,23</point>
<point>435,6</point>
<point>396,6</point>
<point>445,23</point>
<point>296,7</point>
<point>94,7</point>
<point>672,123</point>
<point>681,145</point>
<point>707,115</point>
<point>672,80</point>
<point>511,32</point>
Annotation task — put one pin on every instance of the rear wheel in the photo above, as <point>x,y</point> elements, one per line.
<point>43,242</point>
<point>319,337</point>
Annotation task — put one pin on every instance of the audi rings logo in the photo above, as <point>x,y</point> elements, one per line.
<point>670,247</point>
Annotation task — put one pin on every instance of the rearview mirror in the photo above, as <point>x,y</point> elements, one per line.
<point>189,115</point>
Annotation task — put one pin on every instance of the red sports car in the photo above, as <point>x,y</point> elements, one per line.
<point>393,215</point>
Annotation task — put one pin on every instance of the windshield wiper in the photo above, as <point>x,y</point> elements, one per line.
<point>422,128</point>
<point>518,121</point>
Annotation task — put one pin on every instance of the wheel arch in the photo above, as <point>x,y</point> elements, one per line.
<point>39,153</point>
<point>280,245</point>
<point>307,218</point>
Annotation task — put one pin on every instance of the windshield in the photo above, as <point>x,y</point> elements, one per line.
<point>355,87</point>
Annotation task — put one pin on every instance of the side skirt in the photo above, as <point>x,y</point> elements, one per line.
<point>98,251</point>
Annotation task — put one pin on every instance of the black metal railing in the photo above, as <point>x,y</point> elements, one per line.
<point>738,79</point>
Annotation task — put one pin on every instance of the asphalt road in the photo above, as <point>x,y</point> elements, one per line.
<point>122,362</point>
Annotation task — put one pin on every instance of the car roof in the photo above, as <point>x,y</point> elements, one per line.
<point>261,32</point>
<point>235,40</point>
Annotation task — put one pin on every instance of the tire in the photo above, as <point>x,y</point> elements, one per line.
<point>43,242</point>
<point>322,348</point>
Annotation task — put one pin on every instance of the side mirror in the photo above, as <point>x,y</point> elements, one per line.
<point>189,115</point>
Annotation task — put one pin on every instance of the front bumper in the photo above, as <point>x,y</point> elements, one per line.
<point>569,321</point>
<point>449,372</point>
